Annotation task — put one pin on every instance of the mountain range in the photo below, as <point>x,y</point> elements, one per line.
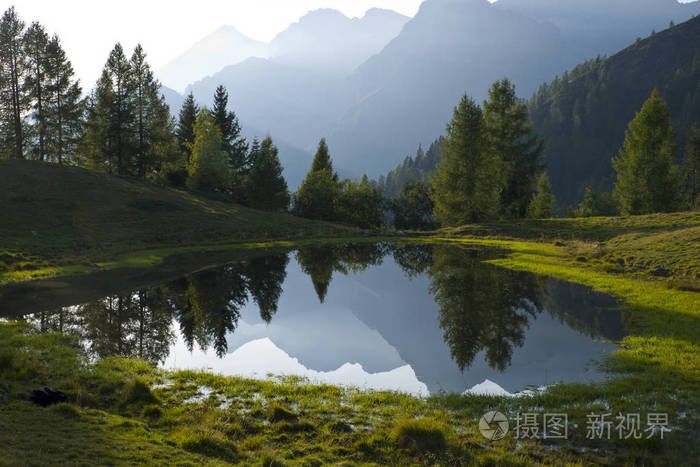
<point>378,86</point>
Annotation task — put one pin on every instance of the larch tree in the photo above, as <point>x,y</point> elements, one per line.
<point>467,183</point>
<point>208,169</point>
<point>35,43</point>
<point>13,104</point>
<point>543,203</point>
<point>645,177</point>
<point>692,168</point>
<point>510,138</point>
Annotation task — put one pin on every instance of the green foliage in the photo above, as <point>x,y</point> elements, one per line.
<point>264,185</point>
<point>319,191</point>
<point>35,42</point>
<point>413,208</point>
<point>466,185</point>
<point>277,413</point>
<point>13,100</point>
<point>137,392</point>
<point>208,170</point>
<point>692,170</point>
<point>510,138</point>
<point>322,159</point>
<point>645,181</point>
<point>359,204</point>
<point>543,203</point>
<point>422,434</point>
<point>185,125</point>
<point>595,203</point>
<point>233,143</point>
<point>420,167</point>
<point>582,116</point>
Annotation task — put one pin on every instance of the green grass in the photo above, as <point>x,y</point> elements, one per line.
<point>59,220</point>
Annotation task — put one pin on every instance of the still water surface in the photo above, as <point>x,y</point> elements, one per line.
<point>414,318</point>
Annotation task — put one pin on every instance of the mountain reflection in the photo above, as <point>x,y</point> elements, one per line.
<point>482,308</point>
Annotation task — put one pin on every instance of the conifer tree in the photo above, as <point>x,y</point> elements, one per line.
<point>265,186</point>
<point>13,102</point>
<point>185,125</point>
<point>64,103</point>
<point>154,132</point>
<point>35,43</point>
<point>466,184</point>
<point>233,143</point>
<point>319,191</point>
<point>645,180</point>
<point>510,138</point>
<point>543,203</point>
<point>359,204</point>
<point>208,168</point>
<point>322,159</point>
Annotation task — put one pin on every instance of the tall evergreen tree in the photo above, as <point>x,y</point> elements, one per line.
<point>543,203</point>
<point>233,143</point>
<point>510,138</point>
<point>322,159</point>
<point>265,186</point>
<point>645,180</point>
<point>466,185</point>
<point>35,43</point>
<point>111,118</point>
<point>65,106</point>
<point>208,169</point>
<point>185,125</point>
<point>13,104</point>
<point>154,133</point>
<point>319,191</point>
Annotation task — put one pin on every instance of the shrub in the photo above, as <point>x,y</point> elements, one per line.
<point>424,434</point>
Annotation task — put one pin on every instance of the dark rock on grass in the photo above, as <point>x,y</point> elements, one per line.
<point>660,272</point>
<point>46,397</point>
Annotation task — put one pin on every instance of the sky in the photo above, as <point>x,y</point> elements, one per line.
<point>166,28</point>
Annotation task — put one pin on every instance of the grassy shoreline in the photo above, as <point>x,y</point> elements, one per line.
<point>141,414</point>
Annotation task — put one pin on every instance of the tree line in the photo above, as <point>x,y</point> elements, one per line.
<point>123,126</point>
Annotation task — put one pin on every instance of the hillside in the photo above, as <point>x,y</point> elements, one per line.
<point>55,212</point>
<point>583,115</point>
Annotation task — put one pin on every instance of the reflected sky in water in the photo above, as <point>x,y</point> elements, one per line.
<point>419,319</point>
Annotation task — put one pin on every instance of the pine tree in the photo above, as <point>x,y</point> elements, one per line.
<point>543,203</point>
<point>645,181</point>
<point>65,107</point>
<point>12,75</point>
<point>466,185</point>
<point>265,186</point>
<point>510,138</point>
<point>233,143</point>
<point>185,126</point>
<point>208,168</point>
<point>35,43</point>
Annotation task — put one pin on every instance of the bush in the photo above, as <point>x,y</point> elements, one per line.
<point>424,434</point>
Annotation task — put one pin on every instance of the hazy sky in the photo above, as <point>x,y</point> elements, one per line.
<point>166,28</point>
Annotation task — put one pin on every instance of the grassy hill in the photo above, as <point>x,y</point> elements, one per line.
<point>51,213</point>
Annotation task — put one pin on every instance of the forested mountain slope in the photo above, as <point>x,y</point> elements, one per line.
<point>583,115</point>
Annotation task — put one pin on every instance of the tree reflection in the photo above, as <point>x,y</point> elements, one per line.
<point>320,262</point>
<point>206,306</point>
<point>482,307</point>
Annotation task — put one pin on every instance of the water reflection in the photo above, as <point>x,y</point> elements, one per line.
<point>438,310</point>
